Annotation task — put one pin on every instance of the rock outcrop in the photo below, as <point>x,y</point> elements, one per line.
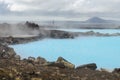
<point>65,63</point>
<point>91,66</point>
<point>61,63</point>
<point>116,70</point>
<point>32,25</point>
<point>61,34</point>
<point>6,52</point>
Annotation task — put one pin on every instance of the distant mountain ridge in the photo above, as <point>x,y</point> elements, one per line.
<point>95,20</point>
<point>99,20</point>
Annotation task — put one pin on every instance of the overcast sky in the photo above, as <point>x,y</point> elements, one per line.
<point>59,9</point>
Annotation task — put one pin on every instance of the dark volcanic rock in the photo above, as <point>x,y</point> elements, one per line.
<point>91,66</point>
<point>54,64</point>
<point>65,62</point>
<point>40,60</point>
<point>31,59</point>
<point>32,25</point>
<point>6,52</point>
<point>61,63</point>
<point>4,75</point>
<point>116,70</point>
<point>17,57</point>
<point>61,34</point>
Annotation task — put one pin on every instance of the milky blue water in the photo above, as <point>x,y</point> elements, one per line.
<point>104,51</point>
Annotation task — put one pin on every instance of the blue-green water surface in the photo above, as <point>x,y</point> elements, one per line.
<point>104,51</point>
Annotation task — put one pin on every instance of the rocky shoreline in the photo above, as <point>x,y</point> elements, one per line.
<point>21,40</point>
<point>54,34</point>
<point>12,67</point>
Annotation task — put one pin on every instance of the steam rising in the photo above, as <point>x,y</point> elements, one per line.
<point>17,30</point>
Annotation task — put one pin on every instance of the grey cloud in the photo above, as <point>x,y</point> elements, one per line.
<point>61,8</point>
<point>3,8</point>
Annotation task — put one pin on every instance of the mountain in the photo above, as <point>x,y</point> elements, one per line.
<point>99,20</point>
<point>95,20</point>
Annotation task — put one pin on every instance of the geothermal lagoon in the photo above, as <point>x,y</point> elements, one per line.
<point>104,51</point>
